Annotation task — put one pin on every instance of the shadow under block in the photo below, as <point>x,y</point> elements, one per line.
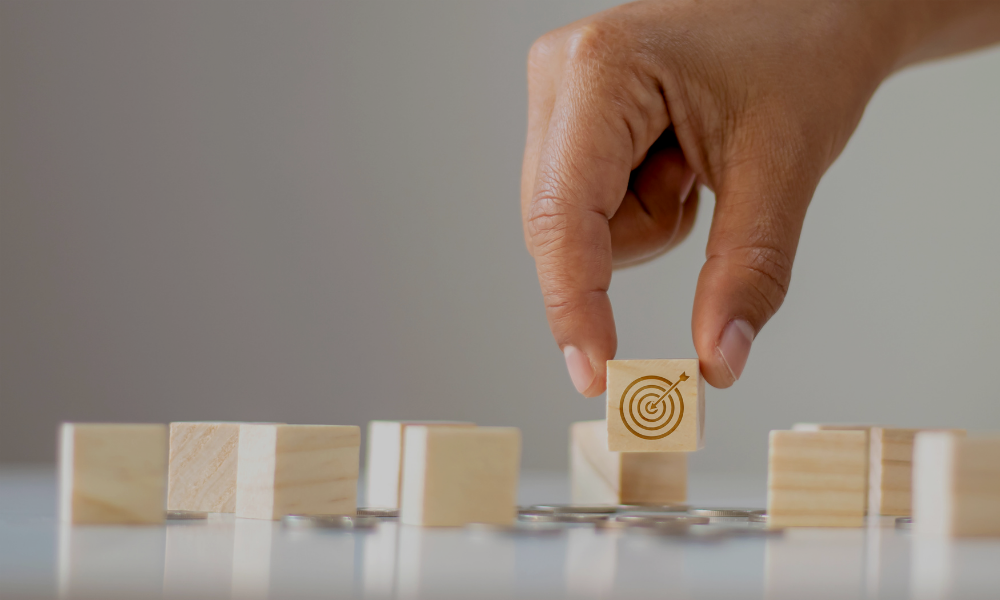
<point>599,476</point>
<point>112,473</point>
<point>890,470</point>
<point>655,406</point>
<point>816,478</point>
<point>384,459</point>
<point>297,469</point>
<point>956,484</point>
<point>453,476</point>
<point>202,473</point>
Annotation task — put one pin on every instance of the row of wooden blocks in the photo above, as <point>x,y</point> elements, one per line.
<point>833,475</point>
<point>438,474</point>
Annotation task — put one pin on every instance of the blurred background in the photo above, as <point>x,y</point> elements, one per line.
<point>308,212</point>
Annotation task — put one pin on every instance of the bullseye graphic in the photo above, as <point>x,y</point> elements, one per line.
<point>652,406</point>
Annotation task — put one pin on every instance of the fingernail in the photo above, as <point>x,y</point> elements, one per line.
<point>734,347</point>
<point>578,365</point>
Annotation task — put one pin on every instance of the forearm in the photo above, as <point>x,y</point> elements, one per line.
<point>939,28</point>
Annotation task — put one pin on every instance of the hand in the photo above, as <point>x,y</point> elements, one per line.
<point>633,109</point>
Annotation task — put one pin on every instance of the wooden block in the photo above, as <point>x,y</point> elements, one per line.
<point>112,473</point>
<point>202,473</point>
<point>297,469</point>
<point>458,475</point>
<point>890,469</point>
<point>844,427</point>
<point>956,484</point>
<point>384,459</point>
<point>655,406</point>
<point>599,476</point>
<point>816,478</point>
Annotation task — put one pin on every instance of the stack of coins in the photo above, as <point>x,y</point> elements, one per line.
<point>338,522</point>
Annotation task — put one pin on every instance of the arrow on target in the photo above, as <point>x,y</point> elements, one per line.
<point>683,377</point>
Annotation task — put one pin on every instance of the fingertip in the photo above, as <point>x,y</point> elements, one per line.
<point>587,379</point>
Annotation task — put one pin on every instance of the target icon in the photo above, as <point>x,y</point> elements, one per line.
<point>652,406</point>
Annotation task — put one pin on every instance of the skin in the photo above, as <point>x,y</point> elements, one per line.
<point>632,110</point>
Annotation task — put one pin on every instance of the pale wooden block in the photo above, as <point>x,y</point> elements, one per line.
<point>458,475</point>
<point>384,459</point>
<point>655,406</point>
<point>844,427</point>
<point>112,473</point>
<point>956,484</point>
<point>891,470</point>
<point>599,476</point>
<point>816,478</point>
<point>297,469</point>
<point>202,473</point>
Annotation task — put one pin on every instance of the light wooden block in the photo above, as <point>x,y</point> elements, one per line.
<point>599,476</point>
<point>956,484</point>
<point>384,459</point>
<point>890,470</point>
<point>202,473</point>
<point>112,473</point>
<point>816,478</point>
<point>844,427</point>
<point>297,469</point>
<point>458,475</point>
<point>655,406</point>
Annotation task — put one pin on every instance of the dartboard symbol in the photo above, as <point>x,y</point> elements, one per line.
<point>652,407</point>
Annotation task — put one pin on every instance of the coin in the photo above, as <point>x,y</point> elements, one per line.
<point>186,515</point>
<point>521,529</point>
<point>372,511</point>
<point>719,512</point>
<point>562,517</point>
<point>904,523</point>
<point>719,520</point>
<point>758,518</point>
<point>653,518</point>
<point>652,508</point>
<point>329,522</point>
<point>572,508</point>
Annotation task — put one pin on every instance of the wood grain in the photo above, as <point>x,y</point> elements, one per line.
<point>890,482</point>
<point>453,476</point>
<point>816,478</point>
<point>384,459</point>
<point>202,471</point>
<point>297,469</point>
<point>956,484</point>
<point>600,476</point>
<point>112,473</point>
<point>682,390</point>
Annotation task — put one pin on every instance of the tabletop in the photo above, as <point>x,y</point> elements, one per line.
<point>223,557</point>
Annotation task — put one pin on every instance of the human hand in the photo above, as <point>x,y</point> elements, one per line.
<point>761,96</point>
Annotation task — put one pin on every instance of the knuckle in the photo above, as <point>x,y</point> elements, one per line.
<point>767,270</point>
<point>541,49</point>
<point>546,221</point>
<point>594,41</point>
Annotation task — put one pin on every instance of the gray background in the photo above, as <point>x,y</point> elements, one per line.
<point>308,212</point>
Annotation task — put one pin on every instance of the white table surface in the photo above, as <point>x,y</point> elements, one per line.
<point>241,558</point>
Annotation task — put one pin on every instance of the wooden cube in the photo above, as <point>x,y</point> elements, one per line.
<point>202,473</point>
<point>816,478</point>
<point>458,475</point>
<point>890,470</point>
<point>384,459</point>
<point>112,473</point>
<point>655,406</point>
<point>599,476</point>
<point>956,484</point>
<point>844,427</point>
<point>297,469</point>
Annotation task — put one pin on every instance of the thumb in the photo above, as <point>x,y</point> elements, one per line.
<point>754,235</point>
